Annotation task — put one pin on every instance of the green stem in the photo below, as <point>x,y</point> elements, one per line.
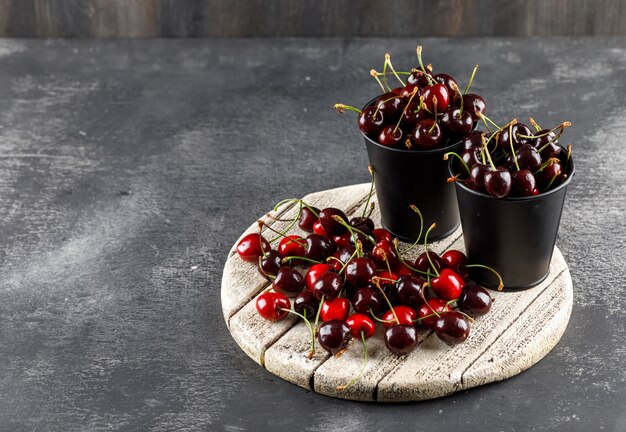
<point>471,80</point>
<point>501,283</point>
<point>288,259</point>
<point>308,324</point>
<point>447,155</point>
<point>426,248</point>
<point>419,213</point>
<point>370,169</point>
<point>341,108</point>
<point>512,148</point>
<point>355,379</point>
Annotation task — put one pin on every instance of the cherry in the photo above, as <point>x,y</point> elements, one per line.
<point>522,183</point>
<point>306,304</point>
<point>439,92</point>
<point>456,260</point>
<point>448,285</point>
<point>367,298</point>
<point>516,130</point>
<point>361,323</point>
<point>418,78</point>
<point>384,252</point>
<point>405,314</point>
<point>370,120</point>
<point>252,246</point>
<point>272,306</point>
<point>475,105</point>
<point>471,157</point>
<point>452,327</point>
<point>328,285</point>
<point>477,176</point>
<point>330,225</point>
<point>457,121</point>
<point>409,291</point>
<point>427,135</point>
<point>549,174</point>
<point>450,84</point>
<point>335,309</point>
<point>548,142</point>
<point>408,90</point>
<point>391,105</point>
<point>319,229</point>
<point>401,339</point>
<point>414,114</point>
<point>308,217</point>
<point>390,136</point>
<point>318,247</point>
<point>292,245</point>
<point>422,263</point>
<point>472,140</point>
<point>362,223</point>
<point>271,262</point>
<point>475,300</point>
<point>288,281</point>
<point>342,240</point>
<point>334,336</point>
<point>401,269</point>
<point>498,182</point>
<point>382,234</point>
<point>528,158</point>
<point>359,271</point>
<point>426,314</point>
<point>313,274</point>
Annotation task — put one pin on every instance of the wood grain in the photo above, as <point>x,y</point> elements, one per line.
<point>521,328</point>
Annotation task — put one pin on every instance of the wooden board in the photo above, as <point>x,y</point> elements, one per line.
<point>521,328</point>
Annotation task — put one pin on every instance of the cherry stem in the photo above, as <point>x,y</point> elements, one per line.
<point>471,80</point>
<point>317,315</point>
<point>283,233</point>
<point>341,108</point>
<point>375,75</point>
<point>355,379</point>
<point>549,185</point>
<point>370,169</point>
<point>353,229</point>
<point>511,144</point>
<point>434,109</point>
<point>534,124</point>
<point>456,88</point>
<point>500,284</point>
<point>404,110</point>
<point>433,226</point>
<point>378,319</point>
<point>569,156</point>
<point>372,207</point>
<point>428,274</point>
<point>447,155</point>
<point>280,203</point>
<point>376,281</point>
<point>266,275</point>
<point>470,318</point>
<point>419,214</point>
<point>424,286</point>
<point>556,138</point>
<point>419,59</point>
<point>344,265</point>
<point>308,324</point>
<point>482,117</point>
<point>546,164</point>
<point>382,102</point>
<point>562,126</point>
<point>288,259</point>
<point>486,149</point>
<point>490,121</point>
<point>388,61</point>
<point>385,76</point>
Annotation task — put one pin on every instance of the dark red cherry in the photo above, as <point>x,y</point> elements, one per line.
<point>409,291</point>
<point>252,246</point>
<point>318,247</point>
<point>335,309</point>
<point>548,143</point>
<point>359,271</point>
<point>405,314</point>
<point>305,303</point>
<point>475,105</point>
<point>342,240</point>
<point>313,274</point>
<point>498,182</point>
<point>545,177</point>
<point>472,140</point>
<point>515,137</point>
<point>308,218</point>
<point>292,245</point>
<point>330,225</point>
<point>360,323</point>
<point>370,121</point>
<point>450,84</point>
<point>423,264</point>
<point>476,179</point>
<point>448,285</point>
<point>471,157</point>
<point>418,77</point>
<point>452,328</point>
<point>384,252</point>
<point>272,305</point>
<point>528,158</point>
<point>407,91</point>
<point>361,223</point>
<point>328,285</point>
<point>457,122</point>
<point>271,262</point>
<point>438,92</point>
<point>365,299</point>
<point>391,105</point>
<point>382,234</point>
<point>319,229</point>
<point>475,301</point>
<point>427,135</point>
<point>401,339</point>
<point>401,269</point>
<point>390,136</point>
<point>456,260</point>
<point>425,311</point>
<point>522,183</point>
<point>414,114</point>
<point>334,336</point>
<point>288,281</point>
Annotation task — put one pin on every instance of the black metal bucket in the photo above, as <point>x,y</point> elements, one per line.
<point>515,236</point>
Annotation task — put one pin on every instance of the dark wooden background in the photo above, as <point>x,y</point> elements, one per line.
<point>309,18</point>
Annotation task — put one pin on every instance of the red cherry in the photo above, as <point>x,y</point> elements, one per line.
<point>336,309</point>
<point>440,92</point>
<point>448,286</point>
<point>382,234</point>
<point>360,323</point>
<point>270,306</point>
<point>427,308</point>
<point>292,245</point>
<point>452,328</point>
<point>385,249</point>
<point>370,120</point>
<point>252,246</point>
<point>402,270</point>
<point>319,229</point>
<point>314,274</point>
<point>342,240</point>
<point>405,314</point>
<point>456,260</point>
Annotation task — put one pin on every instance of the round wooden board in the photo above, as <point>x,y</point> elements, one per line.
<point>521,328</point>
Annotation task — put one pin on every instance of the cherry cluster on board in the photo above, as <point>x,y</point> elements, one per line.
<point>357,277</point>
<point>426,111</point>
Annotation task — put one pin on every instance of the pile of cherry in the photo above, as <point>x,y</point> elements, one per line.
<point>357,277</point>
<point>426,111</point>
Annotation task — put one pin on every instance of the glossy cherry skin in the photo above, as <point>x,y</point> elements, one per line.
<point>308,218</point>
<point>318,247</point>
<point>418,77</point>
<point>362,223</point>
<point>452,328</point>
<point>382,234</point>
<point>401,269</point>
<point>360,323</point>
<point>335,309</point>
<point>422,263</point>
<point>548,143</point>
<point>425,312</point>
<point>450,84</point>
<point>270,306</point>
<point>330,224</point>
<point>472,140</point>
<point>292,245</point>
<point>270,263</point>
<point>522,183</point>
<point>313,274</point>
<point>391,105</point>
<point>405,314</point>
<point>545,176</point>
<point>476,179</point>
<point>457,122</point>
<point>342,240</point>
<point>334,336</point>
<point>456,260</point>
<point>475,301</point>
<point>414,114</point>
<point>384,252</point>
<point>437,92</point>
<point>401,339</point>
<point>371,121</point>
<point>390,136</point>
<point>252,246</point>
<point>367,298</point>
<point>288,281</point>
<point>448,285</point>
<point>475,105</point>
<point>319,229</point>
<point>328,285</point>
<point>528,158</point>
<point>359,271</point>
<point>471,157</point>
<point>427,135</point>
<point>305,303</point>
<point>516,130</point>
<point>408,90</point>
<point>409,291</point>
<point>498,182</point>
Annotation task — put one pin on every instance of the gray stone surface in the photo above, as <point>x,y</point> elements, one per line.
<point>128,169</point>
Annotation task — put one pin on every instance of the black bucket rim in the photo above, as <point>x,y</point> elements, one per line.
<point>571,170</point>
